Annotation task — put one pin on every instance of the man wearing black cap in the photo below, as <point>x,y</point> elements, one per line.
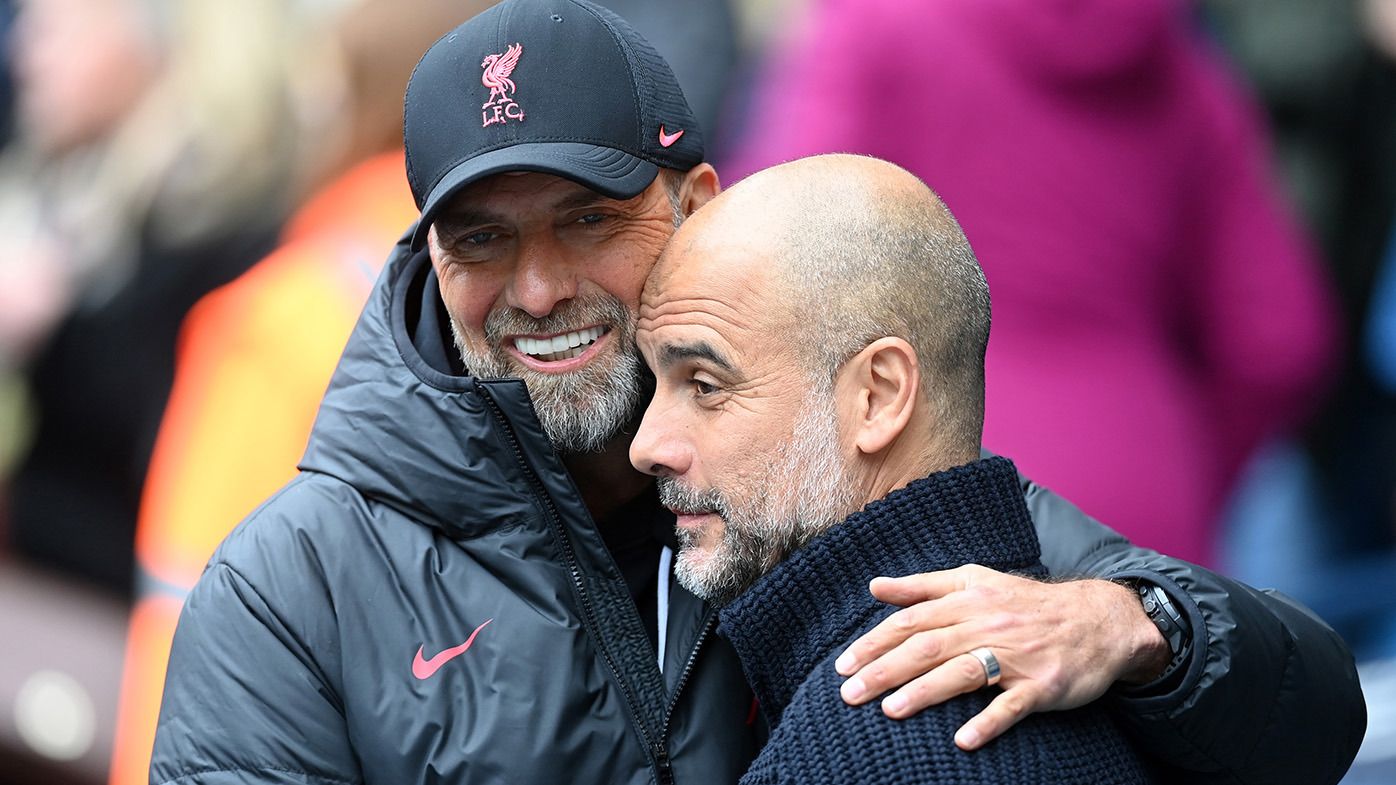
<point>468,583</point>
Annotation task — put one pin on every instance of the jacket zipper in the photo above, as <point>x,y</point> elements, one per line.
<point>709,622</point>
<point>658,751</point>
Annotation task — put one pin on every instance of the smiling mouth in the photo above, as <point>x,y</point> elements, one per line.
<point>560,347</point>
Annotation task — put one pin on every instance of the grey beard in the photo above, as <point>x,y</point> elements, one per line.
<point>580,411</point>
<point>807,489</point>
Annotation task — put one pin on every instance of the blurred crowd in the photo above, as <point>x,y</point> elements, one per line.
<point>1186,212</point>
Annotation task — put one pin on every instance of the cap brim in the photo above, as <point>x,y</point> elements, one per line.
<point>607,171</point>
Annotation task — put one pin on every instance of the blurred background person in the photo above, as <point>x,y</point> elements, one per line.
<point>1316,516</point>
<point>60,54</point>
<point>157,147</point>
<point>153,160</point>
<point>1115,181</point>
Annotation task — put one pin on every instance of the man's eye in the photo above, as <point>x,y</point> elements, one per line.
<point>591,219</point>
<point>467,243</point>
<point>703,388</point>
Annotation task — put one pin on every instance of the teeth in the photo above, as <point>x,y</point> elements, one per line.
<point>559,347</point>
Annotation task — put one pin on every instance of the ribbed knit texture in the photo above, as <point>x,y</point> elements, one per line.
<point>790,626</point>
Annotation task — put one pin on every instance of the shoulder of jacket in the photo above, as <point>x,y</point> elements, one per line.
<point>312,518</point>
<point>1072,541</point>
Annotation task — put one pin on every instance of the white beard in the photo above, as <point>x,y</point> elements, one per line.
<point>807,489</point>
<point>583,410</point>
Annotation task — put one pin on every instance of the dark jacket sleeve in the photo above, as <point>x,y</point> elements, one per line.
<point>1269,693</point>
<point>244,699</point>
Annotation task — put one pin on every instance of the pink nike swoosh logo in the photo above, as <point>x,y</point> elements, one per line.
<point>667,140</point>
<point>424,669</point>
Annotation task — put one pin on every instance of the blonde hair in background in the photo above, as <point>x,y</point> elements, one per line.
<point>216,142</point>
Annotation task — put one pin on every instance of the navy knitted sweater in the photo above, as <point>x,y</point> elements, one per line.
<point>792,624</point>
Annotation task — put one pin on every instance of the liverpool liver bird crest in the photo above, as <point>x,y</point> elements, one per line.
<point>496,76</point>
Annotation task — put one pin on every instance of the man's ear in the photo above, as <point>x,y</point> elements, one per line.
<point>881,385</point>
<point>700,184</point>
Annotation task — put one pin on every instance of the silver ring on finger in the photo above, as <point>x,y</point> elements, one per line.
<point>992,673</point>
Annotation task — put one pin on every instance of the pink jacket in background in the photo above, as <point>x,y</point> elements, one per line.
<point>1157,313</point>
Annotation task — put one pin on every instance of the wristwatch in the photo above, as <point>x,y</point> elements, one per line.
<point>1169,621</point>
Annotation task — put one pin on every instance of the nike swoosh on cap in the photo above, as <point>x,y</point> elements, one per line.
<point>667,140</point>
<point>424,669</point>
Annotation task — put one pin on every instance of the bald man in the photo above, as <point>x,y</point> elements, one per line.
<point>817,334</point>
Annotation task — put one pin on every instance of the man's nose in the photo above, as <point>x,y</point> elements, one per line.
<point>657,448</point>
<point>542,279</point>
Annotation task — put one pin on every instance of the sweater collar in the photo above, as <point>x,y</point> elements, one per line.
<point>817,599</point>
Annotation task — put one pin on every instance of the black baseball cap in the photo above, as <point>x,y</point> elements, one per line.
<point>562,87</point>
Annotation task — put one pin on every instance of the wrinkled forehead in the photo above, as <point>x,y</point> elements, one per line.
<point>716,273</point>
<point>703,296</point>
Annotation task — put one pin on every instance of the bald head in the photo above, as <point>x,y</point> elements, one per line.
<point>817,338</point>
<point>859,249</point>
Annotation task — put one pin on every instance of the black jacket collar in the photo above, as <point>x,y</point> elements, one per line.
<point>404,424</point>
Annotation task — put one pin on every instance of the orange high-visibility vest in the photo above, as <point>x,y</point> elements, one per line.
<point>253,361</point>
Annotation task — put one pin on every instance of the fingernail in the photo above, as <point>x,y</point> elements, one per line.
<point>895,703</point>
<point>853,689</point>
<point>845,664</point>
<point>967,738</point>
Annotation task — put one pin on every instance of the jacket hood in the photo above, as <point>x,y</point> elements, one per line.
<point>1079,40</point>
<point>407,429</point>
